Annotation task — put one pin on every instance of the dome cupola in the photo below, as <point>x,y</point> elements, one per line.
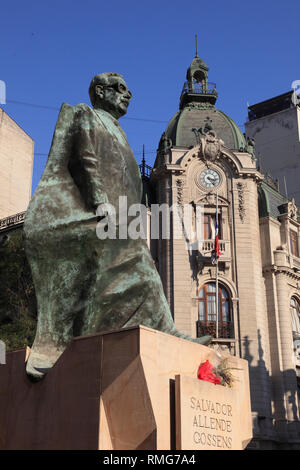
<point>197,89</point>
<point>197,112</point>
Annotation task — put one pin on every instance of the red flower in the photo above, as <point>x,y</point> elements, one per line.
<point>205,372</point>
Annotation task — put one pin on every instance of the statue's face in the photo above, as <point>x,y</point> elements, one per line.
<point>114,97</point>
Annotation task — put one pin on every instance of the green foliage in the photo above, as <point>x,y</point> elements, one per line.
<point>18,309</point>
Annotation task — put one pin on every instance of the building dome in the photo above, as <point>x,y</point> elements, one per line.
<point>198,112</point>
<point>193,116</point>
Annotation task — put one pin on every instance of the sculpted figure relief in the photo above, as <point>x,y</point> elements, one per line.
<point>211,146</point>
<point>84,284</point>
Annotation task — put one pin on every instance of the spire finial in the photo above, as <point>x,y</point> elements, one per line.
<point>196,37</point>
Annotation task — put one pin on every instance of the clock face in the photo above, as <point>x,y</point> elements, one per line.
<point>210,178</point>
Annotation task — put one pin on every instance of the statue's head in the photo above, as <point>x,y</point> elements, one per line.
<point>109,91</point>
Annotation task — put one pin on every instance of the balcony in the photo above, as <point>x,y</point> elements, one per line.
<point>201,92</point>
<point>205,248</point>
<point>208,88</point>
<point>225,329</point>
<point>295,262</point>
<point>289,260</point>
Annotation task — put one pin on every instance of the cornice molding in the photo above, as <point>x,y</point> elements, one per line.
<point>293,273</point>
<point>12,220</point>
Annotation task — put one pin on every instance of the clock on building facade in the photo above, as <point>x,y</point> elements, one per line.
<point>210,178</point>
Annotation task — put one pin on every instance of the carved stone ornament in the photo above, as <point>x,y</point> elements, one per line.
<point>179,185</point>
<point>192,106</point>
<point>210,148</point>
<point>292,209</point>
<point>241,200</point>
<point>209,199</point>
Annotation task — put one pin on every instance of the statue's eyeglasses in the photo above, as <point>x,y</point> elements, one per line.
<point>120,87</point>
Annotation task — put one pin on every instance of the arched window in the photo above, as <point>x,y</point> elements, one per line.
<point>207,311</point>
<point>295,313</point>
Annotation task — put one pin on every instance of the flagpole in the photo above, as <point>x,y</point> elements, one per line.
<point>217,274</point>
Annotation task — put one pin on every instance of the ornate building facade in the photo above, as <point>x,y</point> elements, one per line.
<point>204,161</point>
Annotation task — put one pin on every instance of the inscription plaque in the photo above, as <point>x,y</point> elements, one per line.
<point>207,416</point>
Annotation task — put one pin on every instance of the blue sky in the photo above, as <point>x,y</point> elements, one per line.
<point>51,50</point>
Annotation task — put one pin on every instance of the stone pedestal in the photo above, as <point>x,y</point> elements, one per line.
<point>113,391</point>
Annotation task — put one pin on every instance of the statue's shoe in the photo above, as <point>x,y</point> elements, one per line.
<point>39,363</point>
<point>205,340</point>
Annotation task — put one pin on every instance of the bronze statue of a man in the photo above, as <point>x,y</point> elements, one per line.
<point>85,284</point>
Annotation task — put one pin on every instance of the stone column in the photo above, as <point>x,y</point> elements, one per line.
<point>286,342</point>
<point>275,350</point>
<point>168,246</point>
<point>253,319</point>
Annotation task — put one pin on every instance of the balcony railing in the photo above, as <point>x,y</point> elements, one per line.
<point>225,329</point>
<point>295,262</point>
<point>205,248</point>
<point>208,88</point>
<point>145,170</point>
<point>291,261</point>
<point>209,245</point>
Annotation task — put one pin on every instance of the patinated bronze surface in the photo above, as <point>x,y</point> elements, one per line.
<point>83,284</point>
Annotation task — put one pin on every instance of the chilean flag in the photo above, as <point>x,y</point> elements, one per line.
<point>216,252</point>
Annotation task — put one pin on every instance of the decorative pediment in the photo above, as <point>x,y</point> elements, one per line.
<point>210,199</point>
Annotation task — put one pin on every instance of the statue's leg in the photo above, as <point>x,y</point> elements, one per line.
<point>128,292</point>
<point>155,311</point>
<point>62,279</point>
